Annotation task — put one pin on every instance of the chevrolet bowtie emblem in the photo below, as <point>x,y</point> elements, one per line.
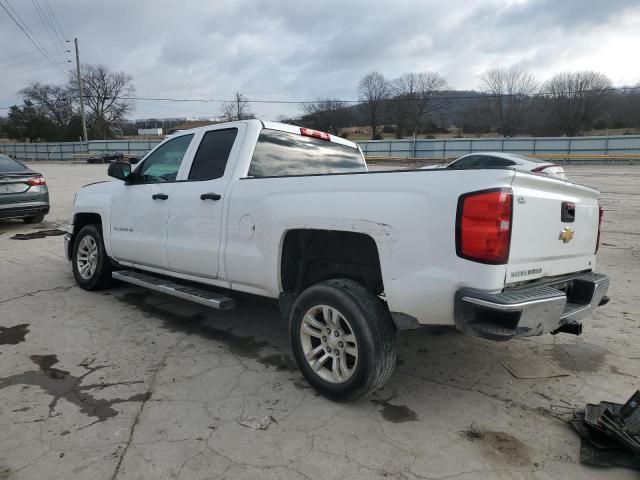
<point>566,235</point>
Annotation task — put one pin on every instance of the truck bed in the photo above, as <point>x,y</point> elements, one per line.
<point>411,215</point>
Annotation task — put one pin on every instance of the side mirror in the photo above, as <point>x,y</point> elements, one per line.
<point>119,170</point>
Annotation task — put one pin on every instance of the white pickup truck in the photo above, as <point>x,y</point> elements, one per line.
<point>352,255</point>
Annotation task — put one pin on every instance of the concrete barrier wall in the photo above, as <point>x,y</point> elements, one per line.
<point>576,149</point>
<point>571,148</point>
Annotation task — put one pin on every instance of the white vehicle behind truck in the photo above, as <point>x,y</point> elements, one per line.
<point>352,256</point>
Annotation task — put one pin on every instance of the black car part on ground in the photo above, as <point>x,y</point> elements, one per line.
<point>106,157</point>
<point>610,433</point>
<point>39,234</point>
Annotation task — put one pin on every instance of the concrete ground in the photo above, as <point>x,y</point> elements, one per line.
<point>125,384</point>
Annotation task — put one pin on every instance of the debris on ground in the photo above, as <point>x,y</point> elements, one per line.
<point>38,234</point>
<point>525,368</point>
<point>254,423</point>
<point>610,433</point>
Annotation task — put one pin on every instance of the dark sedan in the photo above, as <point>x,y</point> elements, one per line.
<point>23,192</point>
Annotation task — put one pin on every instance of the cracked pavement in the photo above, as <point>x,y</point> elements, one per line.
<point>127,384</point>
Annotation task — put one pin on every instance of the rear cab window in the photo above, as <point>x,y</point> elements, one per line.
<point>282,154</point>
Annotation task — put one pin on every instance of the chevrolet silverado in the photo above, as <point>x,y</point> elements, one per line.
<point>352,255</point>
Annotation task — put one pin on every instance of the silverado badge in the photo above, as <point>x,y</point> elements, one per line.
<point>566,235</point>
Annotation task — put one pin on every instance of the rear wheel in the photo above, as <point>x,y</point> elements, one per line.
<point>343,339</point>
<point>91,266</point>
<point>34,219</point>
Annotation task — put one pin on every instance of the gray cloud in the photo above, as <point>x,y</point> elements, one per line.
<point>303,50</point>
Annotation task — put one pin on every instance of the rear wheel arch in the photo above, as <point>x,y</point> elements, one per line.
<point>309,256</point>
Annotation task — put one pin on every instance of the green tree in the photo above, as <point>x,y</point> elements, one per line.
<point>30,122</point>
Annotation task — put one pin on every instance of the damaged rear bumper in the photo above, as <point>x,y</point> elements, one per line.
<point>527,311</point>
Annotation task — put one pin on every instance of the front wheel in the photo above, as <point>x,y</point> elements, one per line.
<point>91,266</point>
<point>343,339</point>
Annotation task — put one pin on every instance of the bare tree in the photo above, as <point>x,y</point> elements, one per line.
<point>107,96</point>
<point>327,115</point>
<point>374,91</point>
<point>510,89</point>
<point>237,109</point>
<point>624,108</point>
<point>575,99</point>
<point>474,118</point>
<point>414,97</point>
<point>54,101</point>
<point>282,118</point>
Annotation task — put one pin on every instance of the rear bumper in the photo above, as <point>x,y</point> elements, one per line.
<point>21,210</point>
<point>550,308</point>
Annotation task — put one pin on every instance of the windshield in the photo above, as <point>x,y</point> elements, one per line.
<point>9,165</point>
<point>281,154</point>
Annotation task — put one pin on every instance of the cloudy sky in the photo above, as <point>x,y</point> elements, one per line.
<point>296,50</point>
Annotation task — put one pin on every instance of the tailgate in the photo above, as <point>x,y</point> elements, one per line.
<point>555,228</point>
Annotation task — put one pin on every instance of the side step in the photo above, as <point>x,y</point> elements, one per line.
<point>164,285</point>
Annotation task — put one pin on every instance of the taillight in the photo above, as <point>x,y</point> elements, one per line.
<point>309,132</point>
<point>36,181</point>
<point>600,215</point>
<point>483,226</point>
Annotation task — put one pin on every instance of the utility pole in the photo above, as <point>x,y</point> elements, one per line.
<point>84,120</point>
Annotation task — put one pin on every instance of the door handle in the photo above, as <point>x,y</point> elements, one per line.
<point>160,196</point>
<point>210,196</point>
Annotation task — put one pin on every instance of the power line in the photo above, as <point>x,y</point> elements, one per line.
<point>34,69</point>
<point>29,34</point>
<point>55,26</point>
<point>298,102</point>
<point>435,97</point>
<point>26,53</point>
<point>25,29</point>
<point>52,14</point>
<point>32,60</point>
<point>47,24</point>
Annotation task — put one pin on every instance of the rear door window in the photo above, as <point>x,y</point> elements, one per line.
<point>489,161</point>
<point>281,154</point>
<point>481,161</point>
<point>9,165</point>
<point>211,158</point>
<point>466,162</point>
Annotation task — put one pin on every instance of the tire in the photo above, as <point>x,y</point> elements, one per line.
<point>36,219</point>
<point>97,276</point>
<point>367,356</point>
